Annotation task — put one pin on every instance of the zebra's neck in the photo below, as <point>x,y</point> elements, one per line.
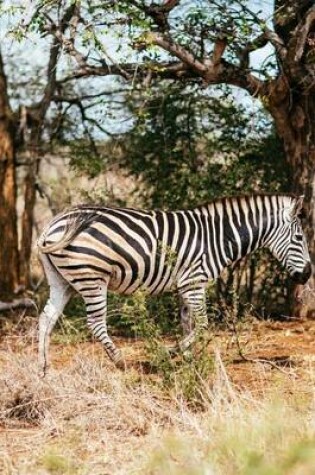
<point>238,226</point>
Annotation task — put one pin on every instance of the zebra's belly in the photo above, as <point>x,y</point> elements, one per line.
<point>151,283</point>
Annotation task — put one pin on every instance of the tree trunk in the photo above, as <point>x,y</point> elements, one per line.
<point>27,223</point>
<point>9,256</point>
<point>302,163</point>
<point>295,122</point>
<point>37,118</point>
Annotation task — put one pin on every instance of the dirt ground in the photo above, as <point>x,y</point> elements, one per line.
<point>271,348</point>
<point>252,355</point>
<point>260,357</point>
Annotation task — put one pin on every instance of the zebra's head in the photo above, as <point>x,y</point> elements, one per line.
<point>288,243</point>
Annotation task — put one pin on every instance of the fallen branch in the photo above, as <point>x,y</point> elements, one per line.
<point>18,303</point>
<point>254,360</point>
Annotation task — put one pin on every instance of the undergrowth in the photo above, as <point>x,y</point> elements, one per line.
<point>180,372</point>
<point>86,417</point>
<point>150,319</point>
<point>180,416</point>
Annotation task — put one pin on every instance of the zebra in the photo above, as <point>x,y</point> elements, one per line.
<point>93,249</point>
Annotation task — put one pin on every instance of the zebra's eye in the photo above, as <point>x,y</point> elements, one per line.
<point>299,237</point>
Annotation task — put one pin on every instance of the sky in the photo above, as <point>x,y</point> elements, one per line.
<point>25,61</point>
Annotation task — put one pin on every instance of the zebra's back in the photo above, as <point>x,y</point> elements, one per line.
<point>131,249</point>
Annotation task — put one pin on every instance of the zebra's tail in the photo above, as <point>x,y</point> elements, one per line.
<point>75,223</point>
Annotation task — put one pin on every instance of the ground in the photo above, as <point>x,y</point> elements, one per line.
<point>88,417</point>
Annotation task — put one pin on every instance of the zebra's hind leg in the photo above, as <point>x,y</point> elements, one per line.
<point>59,294</point>
<point>95,298</point>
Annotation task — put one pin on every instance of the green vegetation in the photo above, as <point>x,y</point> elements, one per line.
<point>144,92</point>
<point>95,419</point>
<point>57,464</point>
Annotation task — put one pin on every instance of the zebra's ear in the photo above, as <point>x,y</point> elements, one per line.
<point>297,207</point>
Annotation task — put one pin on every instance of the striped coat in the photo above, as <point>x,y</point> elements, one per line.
<point>92,249</point>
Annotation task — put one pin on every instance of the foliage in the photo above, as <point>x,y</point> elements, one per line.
<point>183,372</point>
<point>200,146</point>
<point>188,142</point>
<point>138,307</point>
<point>72,329</point>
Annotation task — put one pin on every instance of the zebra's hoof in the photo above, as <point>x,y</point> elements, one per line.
<point>187,355</point>
<point>120,364</point>
<point>41,373</point>
<point>173,351</point>
<point>42,369</point>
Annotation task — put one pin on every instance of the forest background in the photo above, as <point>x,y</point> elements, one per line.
<point>186,101</point>
<point>157,104</point>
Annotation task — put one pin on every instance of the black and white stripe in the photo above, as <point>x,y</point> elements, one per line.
<point>93,249</point>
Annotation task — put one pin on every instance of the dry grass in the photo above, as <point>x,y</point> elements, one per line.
<point>86,417</point>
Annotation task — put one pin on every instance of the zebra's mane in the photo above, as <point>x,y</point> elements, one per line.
<point>222,199</point>
<point>238,199</point>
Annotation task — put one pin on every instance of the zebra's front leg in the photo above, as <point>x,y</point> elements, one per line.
<point>96,307</point>
<point>193,315</point>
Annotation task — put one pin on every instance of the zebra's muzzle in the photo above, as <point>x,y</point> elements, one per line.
<point>302,277</point>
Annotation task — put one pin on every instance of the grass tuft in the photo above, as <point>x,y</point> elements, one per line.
<point>87,417</point>
<point>24,406</point>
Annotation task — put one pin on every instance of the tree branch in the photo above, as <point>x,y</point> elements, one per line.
<point>158,13</point>
<point>214,70</point>
<point>218,51</point>
<point>18,303</point>
<point>176,50</point>
<point>277,42</point>
<point>85,69</point>
<point>85,97</point>
<point>262,40</point>
<point>301,32</point>
<point>5,107</point>
<point>211,70</point>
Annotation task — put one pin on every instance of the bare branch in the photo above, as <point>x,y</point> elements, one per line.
<point>213,70</point>
<point>301,33</point>
<point>52,65</point>
<point>158,13</point>
<point>85,69</point>
<point>277,42</point>
<point>87,119</point>
<point>74,21</point>
<point>84,97</point>
<point>163,70</point>
<point>218,51</point>
<point>176,50</point>
<point>262,40</point>
<point>18,303</point>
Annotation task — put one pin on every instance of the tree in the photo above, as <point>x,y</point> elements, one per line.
<point>207,43</point>
<point>210,43</point>
<point>33,116</point>
<point>9,257</point>
<point>201,147</point>
<point>17,130</point>
<point>188,139</point>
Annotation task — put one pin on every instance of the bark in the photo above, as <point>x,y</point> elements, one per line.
<point>9,258</point>
<point>36,117</point>
<point>28,223</point>
<point>292,105</point>
<point>295,122</point>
